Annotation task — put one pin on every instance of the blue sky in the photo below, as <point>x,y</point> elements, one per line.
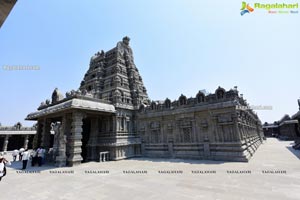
<point>180,47</point>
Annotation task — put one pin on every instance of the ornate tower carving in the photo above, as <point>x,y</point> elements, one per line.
<point>113,76</point>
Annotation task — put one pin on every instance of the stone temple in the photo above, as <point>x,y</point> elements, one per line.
<point>111,115</point>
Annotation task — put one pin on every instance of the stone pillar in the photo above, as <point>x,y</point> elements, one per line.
<point>5,143</point>
<point>68,126</point>
<point>128,125</point>
<point>118,124</point>
<point>93,140</point>
<point>46,134</point>
<point>37,137</point>
<point>60,160</point>
<point>75,157</point>
<point>104,157</point>
<point>167,129</point>
<point>194,132</point>
<point>26,141</point>
<point>101,157</point>
<point>55,139</point>
<point>124,124</point>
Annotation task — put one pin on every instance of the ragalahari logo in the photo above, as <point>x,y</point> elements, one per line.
<point>246,8</point>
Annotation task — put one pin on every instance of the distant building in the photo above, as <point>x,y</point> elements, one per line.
<point>16,137</point>
<point>286,128</point>
<point>296,116</point>
<point>111,116</point>
<point>271,130</point>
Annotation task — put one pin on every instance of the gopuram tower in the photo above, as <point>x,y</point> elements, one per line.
<point>113,76</point>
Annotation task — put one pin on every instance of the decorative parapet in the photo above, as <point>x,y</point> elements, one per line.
<point>57,98</point>
<point>201,99</point>
<point>17,132</point>
<point>17,128</point>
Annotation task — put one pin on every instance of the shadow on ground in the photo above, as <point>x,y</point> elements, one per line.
<point>17,165</point>
<point>294,151</point>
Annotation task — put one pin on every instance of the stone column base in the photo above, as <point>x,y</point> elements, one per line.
<point>75,160</point>
<point>60,161</point>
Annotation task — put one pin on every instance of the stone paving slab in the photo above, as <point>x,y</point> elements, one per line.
<point>143,178</point>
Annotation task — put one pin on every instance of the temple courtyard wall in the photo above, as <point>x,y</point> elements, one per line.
<point>213,130</point>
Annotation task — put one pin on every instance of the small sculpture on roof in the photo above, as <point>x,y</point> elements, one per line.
<point>18,125</point>
<point>47,102</point>
<point>83,92</point>
<point>102,53</point>
<point>42,104</point>
<point>56,96</point>
<point>126,40</point>
<point>68,94</point>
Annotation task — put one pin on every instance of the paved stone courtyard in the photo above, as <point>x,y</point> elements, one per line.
<point>272,173</point>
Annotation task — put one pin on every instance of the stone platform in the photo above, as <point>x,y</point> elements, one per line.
<point>272,173</point>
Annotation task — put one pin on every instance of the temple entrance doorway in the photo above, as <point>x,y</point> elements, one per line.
<point>86,129</point>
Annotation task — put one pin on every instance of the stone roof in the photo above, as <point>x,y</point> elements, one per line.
<point>16,132</point>
<point>5,8</point>
<point>296,115</point>
<point>284,118</point>
<point>72,104</point>
<point>270,126</point>
<point>289,122</point>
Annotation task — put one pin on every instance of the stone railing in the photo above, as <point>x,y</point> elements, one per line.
<point>12,128</point>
